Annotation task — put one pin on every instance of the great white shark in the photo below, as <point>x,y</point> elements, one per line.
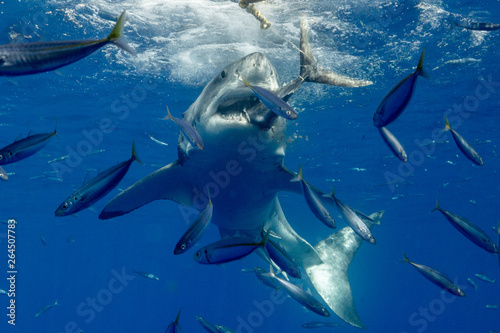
<point>242,167</point>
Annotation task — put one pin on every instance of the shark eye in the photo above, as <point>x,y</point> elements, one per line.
<point>222,74</point>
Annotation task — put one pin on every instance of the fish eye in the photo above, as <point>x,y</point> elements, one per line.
<point>183,246</point>
<point>222,74</point>
<point>75,198</point>
<point>288,112</point>
<point>64,206</point>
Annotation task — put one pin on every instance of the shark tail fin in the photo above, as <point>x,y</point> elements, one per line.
<point>116,35</point>
<point>310,71</point>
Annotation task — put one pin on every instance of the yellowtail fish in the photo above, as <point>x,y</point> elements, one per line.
<point>472,283</point>
<point>439,279</point>
<point>174,326</point>
<point>209,327</point>
<point>478,26</point>
<point>318,324</point>
<point>314,202</point>
<point>189,131</point>
<point>32,58</point>
<point>45,308</point>
<point>484,278</point>
<point>393,144</point>
<point>282,259</point>
<point>3,174</point>
<point>272,101</point>
<point>147,275</point>
<point>261,275</point>
<point>195,230</point>
<point>228,249</point>
<point>300,295</point>
<point>468,229</point>
<point>24,148</point>
<point>398,98</point>
<point>352,219</point>
<point>464,146</point>
<point>96,188</point>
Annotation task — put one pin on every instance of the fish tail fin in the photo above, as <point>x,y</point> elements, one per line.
<point>331,194</point>
<point>447,125</point>
<point>116,35</point>
<point>178,316</point>
<point>311,72</point>
<point>437,205</point>
<point>169,115</point>
<point>134,154</point>
<point>420,67</point>
<point>55,129</point>
<point>405,258</point>
<point>298,177</point>
<point>245,81</point>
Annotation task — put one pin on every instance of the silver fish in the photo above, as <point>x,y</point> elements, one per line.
<point>174,327</point>
<point>195,230</point>
<point>3,292</point>
<point>472,283</point>
<point>209,327</point>
<point>464,146</point>
<point>301,296</point>
<point>398,98</point>
<point>318,324</point>
<point>189,131</point>
<point>393,144</point>
<point>45,308</point>
<point>492,306</point>
<point>43,240</point>
<point>31,58</point>
<point>282,259</point>
<point>272,101</point>
<point>147,275</point>
<point>3,174</point>
<point>228,249</point>
<point>484,278</point>
<point>24,148</point>
<point>468,229</point>
<point>314,202</point>
<point>96,188</point>
<point>439,279</point>
<point>352,219</point>
<point>261,275</point>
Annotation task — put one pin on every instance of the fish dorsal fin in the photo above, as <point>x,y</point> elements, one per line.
<point>19,137</point>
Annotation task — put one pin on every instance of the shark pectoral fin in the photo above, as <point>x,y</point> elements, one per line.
<point>310,71</point>
<point>168,183</point>
<point>330,278</point>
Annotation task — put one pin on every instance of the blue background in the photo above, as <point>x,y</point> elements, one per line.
<point>180,46</point>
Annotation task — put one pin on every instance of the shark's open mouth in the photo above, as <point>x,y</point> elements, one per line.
<point>234,109</point>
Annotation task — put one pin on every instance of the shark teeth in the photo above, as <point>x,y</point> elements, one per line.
<point>234,109</point>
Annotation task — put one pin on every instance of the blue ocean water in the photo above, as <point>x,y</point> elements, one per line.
<point>107,100</point>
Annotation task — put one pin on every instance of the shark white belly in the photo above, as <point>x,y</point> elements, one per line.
<point>242,167</point>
